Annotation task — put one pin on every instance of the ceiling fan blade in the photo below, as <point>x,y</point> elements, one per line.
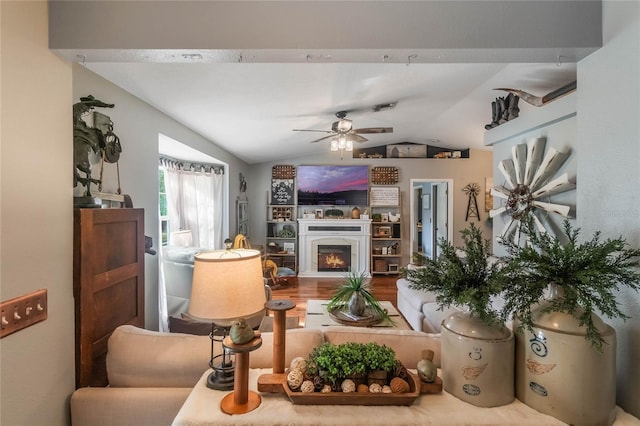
<point>311,130</point>
<point>357,138</point>
<point>321,139</point>
<point>373,130</point>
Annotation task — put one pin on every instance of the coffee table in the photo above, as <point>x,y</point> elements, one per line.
<point>318,317</point>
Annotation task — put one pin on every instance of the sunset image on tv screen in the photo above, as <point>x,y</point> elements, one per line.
<point>332,185</point>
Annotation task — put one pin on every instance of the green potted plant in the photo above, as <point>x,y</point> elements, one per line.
<point>354,296</point>
<point>474,340</point>
<point>561,335</point>
<point>380,361</point>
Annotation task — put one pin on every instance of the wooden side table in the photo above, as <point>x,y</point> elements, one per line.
<point>241,400</point>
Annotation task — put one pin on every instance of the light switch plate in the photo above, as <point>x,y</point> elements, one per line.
<point>23,311</point>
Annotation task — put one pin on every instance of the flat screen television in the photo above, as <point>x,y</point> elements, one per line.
<point>333,185</point>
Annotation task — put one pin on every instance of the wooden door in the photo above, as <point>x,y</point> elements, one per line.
<point>108,283</point>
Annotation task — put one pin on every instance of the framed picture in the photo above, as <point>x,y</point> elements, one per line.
<point>385,196</point>
<point>289,248</point>
<point>393,267</point>
<point>319,214</point>
<point>242,216</point>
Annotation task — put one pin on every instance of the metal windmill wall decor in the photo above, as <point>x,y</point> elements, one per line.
<point>529,178</point>
<point>472,190</point>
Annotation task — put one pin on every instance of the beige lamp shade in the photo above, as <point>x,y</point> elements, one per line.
<point>227,285</point>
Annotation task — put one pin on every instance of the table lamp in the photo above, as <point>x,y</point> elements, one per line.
<point>227,285</point>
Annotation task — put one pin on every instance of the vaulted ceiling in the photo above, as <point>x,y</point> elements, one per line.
<point>260,68</point>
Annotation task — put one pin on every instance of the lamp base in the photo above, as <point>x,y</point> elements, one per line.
<point>229,406</point>
<point>221,378</point>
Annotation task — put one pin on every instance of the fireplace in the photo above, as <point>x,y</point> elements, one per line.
<point>330,248</point>
<point>334,258</point>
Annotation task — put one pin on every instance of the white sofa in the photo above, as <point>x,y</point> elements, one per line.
<point>152,373</point>
<point>420,308</point>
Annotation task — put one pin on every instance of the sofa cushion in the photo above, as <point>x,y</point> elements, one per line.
<point>144,358</point>
<point>414,297</point>
<point>408,344</point>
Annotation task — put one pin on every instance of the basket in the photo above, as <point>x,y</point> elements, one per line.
<point>380,265</point>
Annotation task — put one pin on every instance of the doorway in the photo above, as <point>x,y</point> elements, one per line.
<point>431,219</point>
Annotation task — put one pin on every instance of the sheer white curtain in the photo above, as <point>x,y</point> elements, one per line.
<point>195,202</point>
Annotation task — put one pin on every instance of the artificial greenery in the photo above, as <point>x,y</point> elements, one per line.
<point>464,277</point>
<point>357,282</point>
<point>335,362</point>
<point>589,273</point>
<point>379,357</point>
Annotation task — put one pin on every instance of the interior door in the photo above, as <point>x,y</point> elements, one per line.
<point>432,208</point>
<point>441,223</point>
<point>108,283</point>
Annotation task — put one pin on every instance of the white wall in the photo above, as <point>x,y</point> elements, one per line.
<point>608,135</point>
<point>37,374</point>
<point>462,171</point>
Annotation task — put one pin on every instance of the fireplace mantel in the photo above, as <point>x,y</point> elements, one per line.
<point>353,232</point>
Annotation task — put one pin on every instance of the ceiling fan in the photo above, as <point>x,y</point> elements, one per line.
<point>344,127</point>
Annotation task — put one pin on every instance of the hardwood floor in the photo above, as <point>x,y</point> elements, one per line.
<point>382,287</point>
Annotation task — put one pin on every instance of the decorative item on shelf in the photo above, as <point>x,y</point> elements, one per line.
<point>355,298</point>
<point>472,190</point>
<point>384,175</point>
<point>283,172</point>
<point>90,140</point>
<point>286,232</point>
<point>477,349</point>
<point>227,285</point>
<point>503,110</point>
<point>562,334</point>
<point>541,101</point>
<point>376,217</point>
<point>355,213</point>
<point>333,214</point>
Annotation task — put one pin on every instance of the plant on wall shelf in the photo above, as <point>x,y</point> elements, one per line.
<point>586,275</point>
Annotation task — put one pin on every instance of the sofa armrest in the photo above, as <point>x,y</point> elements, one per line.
<point>95,406</point>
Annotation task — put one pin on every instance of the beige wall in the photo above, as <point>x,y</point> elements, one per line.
<point>37,373</point>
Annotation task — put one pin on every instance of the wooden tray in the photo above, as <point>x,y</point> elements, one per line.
<point>370,318</point>
<point>277,383</point>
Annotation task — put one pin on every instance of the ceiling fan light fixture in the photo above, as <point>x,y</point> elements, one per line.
<point>342,142</point>
<point>334,144</point>
<point>349,146</point>
<point>344,125</point>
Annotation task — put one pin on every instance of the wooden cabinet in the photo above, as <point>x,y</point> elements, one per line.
<point>282,235</point>
<point>386,231</point>
<point>108,283</point>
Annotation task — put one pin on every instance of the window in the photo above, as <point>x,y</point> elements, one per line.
<point>164,218</point>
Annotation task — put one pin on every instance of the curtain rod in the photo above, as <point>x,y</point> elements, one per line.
<point>173,163</point>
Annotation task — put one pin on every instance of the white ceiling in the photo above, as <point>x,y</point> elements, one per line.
<point>250,109</point>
